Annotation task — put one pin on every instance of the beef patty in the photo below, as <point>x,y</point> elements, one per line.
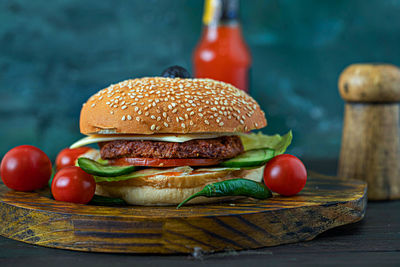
<point>224,147</point>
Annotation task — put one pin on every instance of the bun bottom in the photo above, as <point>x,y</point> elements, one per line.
<point>153,196</point>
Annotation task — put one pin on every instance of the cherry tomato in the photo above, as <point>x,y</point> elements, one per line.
<point>153,162</point>
<point>25,168</point>
<point>72,184</point>
<point>285,174</point>
<point>68,156</point>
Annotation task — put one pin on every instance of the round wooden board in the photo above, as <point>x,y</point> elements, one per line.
<point>324,203</point>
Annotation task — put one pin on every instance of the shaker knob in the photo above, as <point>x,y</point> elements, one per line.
<point>370,83</point>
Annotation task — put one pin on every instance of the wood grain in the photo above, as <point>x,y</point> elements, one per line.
<point>370,148</point>
<point>325,203</point>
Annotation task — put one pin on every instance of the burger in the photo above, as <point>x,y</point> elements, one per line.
<point>163,139</point>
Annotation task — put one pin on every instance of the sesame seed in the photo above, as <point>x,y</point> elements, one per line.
<point>183,125</point>
<point>93,105</point>
<point>174,111</point>
<point>206,122</point>
<point>221,124</point>
<point>123,118</point>
<point>129,117</point>
<point>123,107</point>
<point>242,122</point>
<point>158,118</point>
<point>153,117</point>
<point>139,112</point>
<point>138,118</point>
<point>165,124</point>
<point>152,127</point>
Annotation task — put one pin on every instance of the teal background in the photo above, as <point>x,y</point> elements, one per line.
<point>55,54</point>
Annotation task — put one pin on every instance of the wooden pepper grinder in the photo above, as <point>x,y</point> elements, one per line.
<point>370,142</point>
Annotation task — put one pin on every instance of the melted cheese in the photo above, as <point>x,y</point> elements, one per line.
<point>178,138</point>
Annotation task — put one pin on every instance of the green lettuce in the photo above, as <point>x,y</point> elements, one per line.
<point>258,140</point>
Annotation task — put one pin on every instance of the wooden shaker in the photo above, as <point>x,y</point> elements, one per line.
<point>370,142</point>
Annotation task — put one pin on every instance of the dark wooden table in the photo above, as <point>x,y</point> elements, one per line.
<point>375,241</point>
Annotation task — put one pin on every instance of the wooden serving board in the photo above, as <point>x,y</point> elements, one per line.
<point>324,203</point>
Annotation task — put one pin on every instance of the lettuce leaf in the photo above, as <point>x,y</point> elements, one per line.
<point>259,140</point>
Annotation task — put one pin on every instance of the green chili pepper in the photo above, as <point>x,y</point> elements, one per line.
<point>106,201</point>
<point>95,168</point>
<point>233,187</point>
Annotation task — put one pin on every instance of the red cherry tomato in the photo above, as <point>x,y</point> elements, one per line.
<point>72,184</point>
<point>285,174</point>
<point>153,162</point>
<point>68,156</point>
<point>25,168</point>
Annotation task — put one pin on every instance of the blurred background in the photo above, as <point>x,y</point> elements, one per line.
<point>55,54</point>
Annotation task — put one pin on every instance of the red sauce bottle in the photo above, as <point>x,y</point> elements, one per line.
<point>222,53</point>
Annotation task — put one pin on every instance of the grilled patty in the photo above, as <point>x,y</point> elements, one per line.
<point>224,147</point>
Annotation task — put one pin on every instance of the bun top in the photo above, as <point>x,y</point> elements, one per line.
<point>158,105</point>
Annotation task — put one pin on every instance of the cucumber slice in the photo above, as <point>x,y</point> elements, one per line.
<point>95,168</point>
<point>142,173</point>
<point>250,158</point>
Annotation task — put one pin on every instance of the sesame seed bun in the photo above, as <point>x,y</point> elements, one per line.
<point>158,105</point>
<point>166,190</point>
